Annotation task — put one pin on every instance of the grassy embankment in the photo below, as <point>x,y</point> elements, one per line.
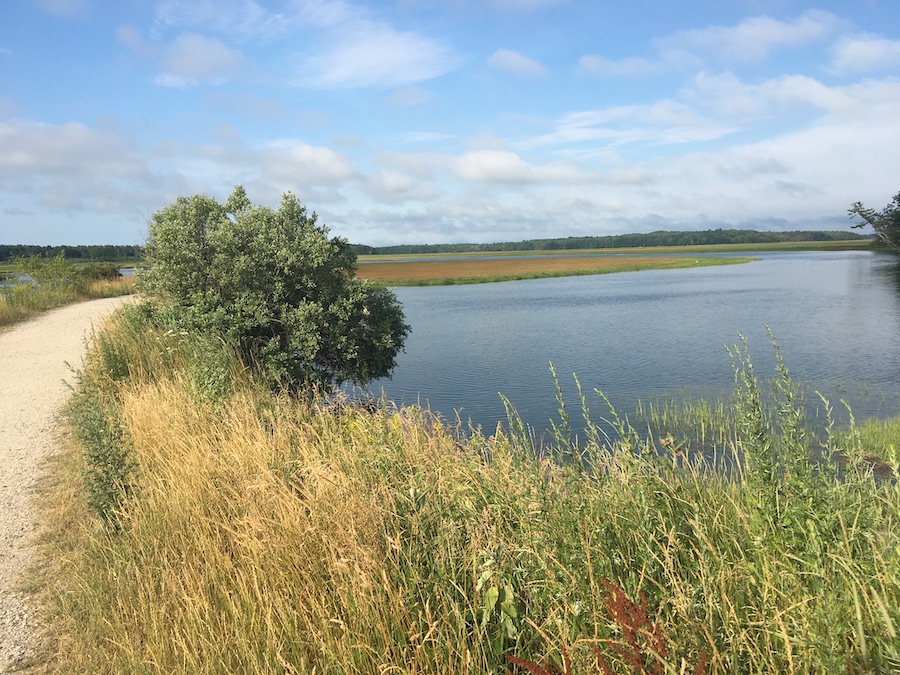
<point>25,301</point>
<point>244,532</point>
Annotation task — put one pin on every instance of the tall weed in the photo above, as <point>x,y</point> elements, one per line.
<point>263,533</point>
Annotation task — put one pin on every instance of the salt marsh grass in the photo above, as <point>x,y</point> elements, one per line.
<point>265,534</point>
<point>474,270</point>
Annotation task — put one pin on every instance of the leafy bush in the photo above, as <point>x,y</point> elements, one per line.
<point>109,461</point>
<point>97,272</point>
<point>50,272</point>
<point>273,285</point>
<point>886,222</point>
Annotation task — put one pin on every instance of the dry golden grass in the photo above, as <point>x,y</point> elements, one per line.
<point>270,535</point>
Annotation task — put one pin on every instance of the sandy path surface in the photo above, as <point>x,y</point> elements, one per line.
<point>33,376</point>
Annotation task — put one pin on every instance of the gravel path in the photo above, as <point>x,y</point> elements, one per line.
<point>33,376</point>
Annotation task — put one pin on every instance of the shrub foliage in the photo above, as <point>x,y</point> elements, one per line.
<point>886,222</point>
<point>272,284</point>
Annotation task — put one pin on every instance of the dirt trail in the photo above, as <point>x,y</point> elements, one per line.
<point>33,376</point>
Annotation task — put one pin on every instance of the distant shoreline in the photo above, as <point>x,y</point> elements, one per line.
<point>474,269</point>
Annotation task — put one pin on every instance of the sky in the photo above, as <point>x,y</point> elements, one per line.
<point>446,121</point>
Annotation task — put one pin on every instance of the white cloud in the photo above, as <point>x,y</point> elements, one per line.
<point>189,60</point>
<point>751,40</point>
<point>231,17</point>
<point>863,53</point>
<point>730,97</point>
<point>192,59</point>
<point>295,162</point>
<point>31,150</point>
<point>514,62</point>
<point>394,187</point>
<point>662,123</point>
<point>344,45</point>
<point>755,38</point>
<point>504,166</point>
<point>367,53</point>
<point>70,169</point>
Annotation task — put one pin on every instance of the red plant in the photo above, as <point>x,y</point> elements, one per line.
<point>537,669</point>
<point>645,642</point>
<point>642,646</point>
<point>639,633</point>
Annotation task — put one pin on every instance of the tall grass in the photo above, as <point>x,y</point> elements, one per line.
<point>25,301</point>
<point>262,534</point>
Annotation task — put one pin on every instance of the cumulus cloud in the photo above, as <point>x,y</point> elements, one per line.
<point>863,53</point>
<point>74,169</point>
<point>296,162</point>
<point>387,186</point>
<point>731,97</point>
<point>32,149</point>
<point>504,166</point>
<point>514,62</point>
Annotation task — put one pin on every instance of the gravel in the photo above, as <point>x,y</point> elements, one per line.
<point>36,361</point>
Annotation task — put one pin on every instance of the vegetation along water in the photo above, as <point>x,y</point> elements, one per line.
<point>223,508</point>
<point>35,284</point>
<point>242,516</point>
<point>230,528</point>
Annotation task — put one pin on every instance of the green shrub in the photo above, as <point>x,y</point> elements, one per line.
<point>109,460</point>
<point>273,285</point>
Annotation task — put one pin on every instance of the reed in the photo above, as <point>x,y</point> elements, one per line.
<point>261,534</point>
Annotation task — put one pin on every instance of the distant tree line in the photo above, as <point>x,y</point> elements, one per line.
<point>87,253</point>
<point>660,238</point>
<point>110,253</point>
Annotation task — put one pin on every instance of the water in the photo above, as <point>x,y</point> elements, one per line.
<point>653,334</point>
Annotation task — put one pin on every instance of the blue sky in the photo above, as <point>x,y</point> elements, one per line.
<point>427,121</point>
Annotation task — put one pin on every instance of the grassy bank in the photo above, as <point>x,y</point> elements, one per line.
<point>439,272</point>
<point>206,525</point>
<point>24,301</point>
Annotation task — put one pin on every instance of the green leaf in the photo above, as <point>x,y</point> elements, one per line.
<point>491,595</point>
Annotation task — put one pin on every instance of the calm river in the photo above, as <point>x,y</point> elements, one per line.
<point>649,335</point>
